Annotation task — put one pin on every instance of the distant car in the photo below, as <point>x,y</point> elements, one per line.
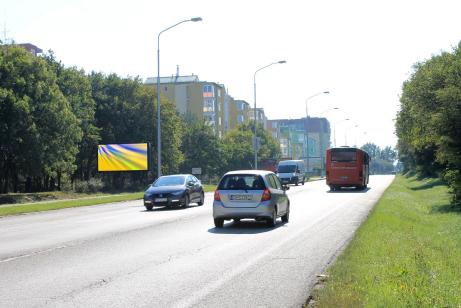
<point>174,190</point>
<point>255,194</point>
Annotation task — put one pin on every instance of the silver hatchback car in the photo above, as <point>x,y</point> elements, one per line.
<point>255,194</point>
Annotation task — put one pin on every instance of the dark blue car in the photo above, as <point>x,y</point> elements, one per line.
<point>174,190</point>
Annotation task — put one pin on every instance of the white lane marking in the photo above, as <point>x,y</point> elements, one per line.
<point>33,253</point>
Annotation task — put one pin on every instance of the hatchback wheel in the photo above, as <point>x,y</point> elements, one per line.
<point>286,217</point>
<point>218,222</point>
<point>272,221</point>
<point>149,207</point>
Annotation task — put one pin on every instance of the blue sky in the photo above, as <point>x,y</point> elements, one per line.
<point>360,51</point>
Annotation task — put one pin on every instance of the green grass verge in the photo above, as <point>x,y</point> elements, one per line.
<point>55,205</point>
<point>209,187</point>
<point>407,253</point>
<point>84,200</point>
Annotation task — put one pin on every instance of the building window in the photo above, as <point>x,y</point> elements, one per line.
<point>208,105</point>
<point>208,91</point>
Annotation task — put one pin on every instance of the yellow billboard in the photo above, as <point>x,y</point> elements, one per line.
<point>123,157</point>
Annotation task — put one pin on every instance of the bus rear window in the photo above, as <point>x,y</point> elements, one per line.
<point>344,156</point>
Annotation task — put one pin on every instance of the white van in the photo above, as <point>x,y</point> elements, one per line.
<point>291,172</point>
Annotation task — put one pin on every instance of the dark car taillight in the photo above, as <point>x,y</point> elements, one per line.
<point>266,195</point>
<point>217,196</point>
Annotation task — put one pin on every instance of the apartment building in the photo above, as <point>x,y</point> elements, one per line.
<point>243,110</point>
<point>305,138</point>
<point>260,116</point>
<point>34,50</point>
<point>202,99</point>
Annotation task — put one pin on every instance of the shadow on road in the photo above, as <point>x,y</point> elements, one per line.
<point>169,208</point>
<point>348,190</point>
<point>245,227</point>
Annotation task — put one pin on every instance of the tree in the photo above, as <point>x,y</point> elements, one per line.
<point>39,132</point>
<point>201,148</point>
<point>382,160</point>
<point>76,87</point>
<point>125,113</point>
<point>428,125</point>
<point>238,147</point>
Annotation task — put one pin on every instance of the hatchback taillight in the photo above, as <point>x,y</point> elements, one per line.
<point>217,196</point>
<point>266,195</point>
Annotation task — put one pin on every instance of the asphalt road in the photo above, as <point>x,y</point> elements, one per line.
<point>119,255</point>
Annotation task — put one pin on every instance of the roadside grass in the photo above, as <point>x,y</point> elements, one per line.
<point>407,254</point>
<point>17,198</point>
<point>76,200</point>
<point>55,205</point>
<point>209,187</point>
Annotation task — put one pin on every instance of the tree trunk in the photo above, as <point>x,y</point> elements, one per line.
<point>59,181</point>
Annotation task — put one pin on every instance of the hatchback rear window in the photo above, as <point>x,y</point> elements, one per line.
<point>242,182</point>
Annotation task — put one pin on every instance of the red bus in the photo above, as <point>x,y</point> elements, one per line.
<point>347,167</point>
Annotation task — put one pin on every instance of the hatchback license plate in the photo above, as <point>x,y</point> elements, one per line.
<point>344,177</point>
<point>161,199</point>
<point>241,197</point>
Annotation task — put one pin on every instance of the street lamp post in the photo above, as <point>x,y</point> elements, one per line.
<point>159,120</point>
<point>307,125</point>
<point>255,145</point>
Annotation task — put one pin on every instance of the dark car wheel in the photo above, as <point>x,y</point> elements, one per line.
<point>202,199</point>
<point>219,222</point>
<point>272,221</point>
<point>186,201</point>
<point>149,207</point>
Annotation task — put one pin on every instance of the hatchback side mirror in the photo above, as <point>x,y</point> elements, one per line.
<point>285,187</point>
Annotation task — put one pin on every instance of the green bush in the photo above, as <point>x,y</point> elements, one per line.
<point>91,186</point>
<point>453,178</point>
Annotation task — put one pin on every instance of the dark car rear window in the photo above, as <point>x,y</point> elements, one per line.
<point>242,182</point>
